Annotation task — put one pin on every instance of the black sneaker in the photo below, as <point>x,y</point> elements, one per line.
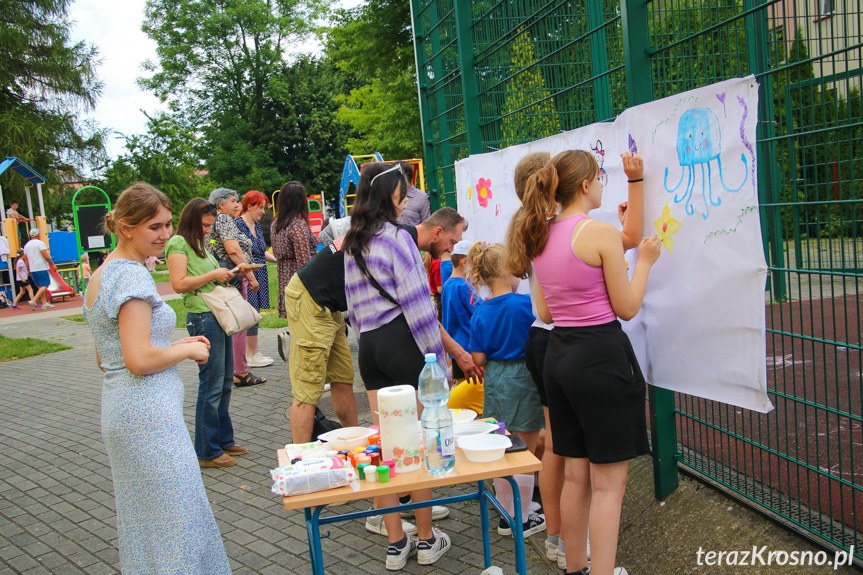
<point>397,557</point>
<point>534,524</point>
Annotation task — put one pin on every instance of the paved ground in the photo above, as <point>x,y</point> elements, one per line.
<point>57,506</point>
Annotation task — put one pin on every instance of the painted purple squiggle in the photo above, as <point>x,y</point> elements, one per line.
<point>746,142</point>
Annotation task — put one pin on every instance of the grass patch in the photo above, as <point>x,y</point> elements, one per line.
<point>75,318</point>
<point>19,348</point>
<point>161,278</point>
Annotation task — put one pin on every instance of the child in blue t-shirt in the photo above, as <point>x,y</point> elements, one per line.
<point>460,301</point>
<point>498,333</point>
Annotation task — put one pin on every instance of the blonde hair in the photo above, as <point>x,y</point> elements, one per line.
<point>557,182</point>
<point>137,204</point>
<point>487,263</point>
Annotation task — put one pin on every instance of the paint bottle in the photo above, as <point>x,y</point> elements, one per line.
<point>361,470</point>
<point>376,458</point>
<point>384,474</point>
<point>391,467</point>
<point>332,453</point>
<point>371,473</point>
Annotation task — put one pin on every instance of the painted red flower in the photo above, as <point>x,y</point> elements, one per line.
<point>483,192</point>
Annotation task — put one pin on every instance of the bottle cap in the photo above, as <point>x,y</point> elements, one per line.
<point>431,358</point>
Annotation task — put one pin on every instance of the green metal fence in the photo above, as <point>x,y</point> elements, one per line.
<point>493,73</point>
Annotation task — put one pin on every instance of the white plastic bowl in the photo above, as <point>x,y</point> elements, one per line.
<point>473,428</point>
<point>462,415</point>
<point>347,437</point>
<point>483,448</point>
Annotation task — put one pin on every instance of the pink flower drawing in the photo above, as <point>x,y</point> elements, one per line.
<point>483,192</point>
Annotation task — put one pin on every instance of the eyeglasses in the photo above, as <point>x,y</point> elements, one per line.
<point>393,169</point>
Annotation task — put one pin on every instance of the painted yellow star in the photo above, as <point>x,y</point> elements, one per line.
<point>665,227</point>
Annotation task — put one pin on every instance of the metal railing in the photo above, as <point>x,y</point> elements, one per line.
<point>493,73</point>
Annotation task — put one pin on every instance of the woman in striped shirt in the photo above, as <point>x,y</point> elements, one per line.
<point>397,326</point>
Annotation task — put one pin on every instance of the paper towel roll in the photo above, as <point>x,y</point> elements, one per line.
<point>400,438</point>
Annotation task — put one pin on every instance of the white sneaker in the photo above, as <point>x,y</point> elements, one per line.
<point>551,550</point>
<point>438,512</point>
<point>375,524</point>
<point>32,305</point>
<point>259,360</point>
<point>430,552</point>
<point>48,306</point>
<point>398,558</point>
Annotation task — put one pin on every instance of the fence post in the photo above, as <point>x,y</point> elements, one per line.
<point>423,93</point>
<point>639,87</point>
<point>757,50</point>
<point>468,76</point>
<point>602,108</point>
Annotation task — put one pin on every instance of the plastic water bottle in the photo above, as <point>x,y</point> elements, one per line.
<point>436,421</point>
<point>433,388</point>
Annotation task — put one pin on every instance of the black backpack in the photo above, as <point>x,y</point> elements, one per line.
<point>322,424</point>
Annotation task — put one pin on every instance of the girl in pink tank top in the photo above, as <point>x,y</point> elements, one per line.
<point>592,379</point>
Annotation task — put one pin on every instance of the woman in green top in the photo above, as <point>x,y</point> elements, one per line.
<point>193,269</point>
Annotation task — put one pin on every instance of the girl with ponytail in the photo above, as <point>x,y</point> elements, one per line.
<point>594,386</point>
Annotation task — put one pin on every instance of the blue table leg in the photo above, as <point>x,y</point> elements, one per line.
<point>517,529</point>
<point>483,517</point>
<point>314,533</point>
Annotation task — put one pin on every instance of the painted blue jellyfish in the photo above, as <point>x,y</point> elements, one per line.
<point>699,143</point>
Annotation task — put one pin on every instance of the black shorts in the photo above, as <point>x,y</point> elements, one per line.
<point>534,358</point>
<point>390,356</point>
<point>595,392</point>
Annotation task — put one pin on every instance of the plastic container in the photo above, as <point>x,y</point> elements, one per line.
<point>384,474</point>
<point>462,415</point>
<point>361,470</point>
<point>473,428</point>
<point>483,448</point>
<point>346,437</point>
<point>372,473</point>
<point>391,467</point>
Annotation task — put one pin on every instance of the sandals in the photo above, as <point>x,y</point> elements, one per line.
<point>247,380</point>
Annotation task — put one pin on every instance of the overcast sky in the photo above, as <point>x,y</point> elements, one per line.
<point>115,27</point>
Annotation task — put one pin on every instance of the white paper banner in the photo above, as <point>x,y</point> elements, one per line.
<point>701,329</point>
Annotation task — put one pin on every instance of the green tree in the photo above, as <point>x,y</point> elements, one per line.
<point>373,43</point>
<point>46,82</point>
<point>165,156</point>
<point>262,120</point>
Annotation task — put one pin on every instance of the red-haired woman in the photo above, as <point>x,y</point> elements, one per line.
<point>249,223</point>
<point>293,241</point>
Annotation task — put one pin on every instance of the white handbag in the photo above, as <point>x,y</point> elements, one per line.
<point>231,309</point>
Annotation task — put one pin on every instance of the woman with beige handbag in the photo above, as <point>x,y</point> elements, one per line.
<point>193,271</point>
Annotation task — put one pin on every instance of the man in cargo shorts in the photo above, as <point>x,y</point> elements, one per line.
<point>314,301</point>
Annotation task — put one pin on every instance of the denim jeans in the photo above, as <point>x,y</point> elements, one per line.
<point>213,428</point>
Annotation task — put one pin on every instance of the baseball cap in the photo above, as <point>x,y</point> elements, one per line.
<point>34,232</point>
<point>462,248</point>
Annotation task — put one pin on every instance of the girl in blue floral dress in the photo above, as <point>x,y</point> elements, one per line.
<point>164,522</point>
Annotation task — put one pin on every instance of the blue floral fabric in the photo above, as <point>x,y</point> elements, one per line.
<point>165,524</point>
<point>260,300</point>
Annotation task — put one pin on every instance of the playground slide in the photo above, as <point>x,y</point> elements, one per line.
<point>58,287</point>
